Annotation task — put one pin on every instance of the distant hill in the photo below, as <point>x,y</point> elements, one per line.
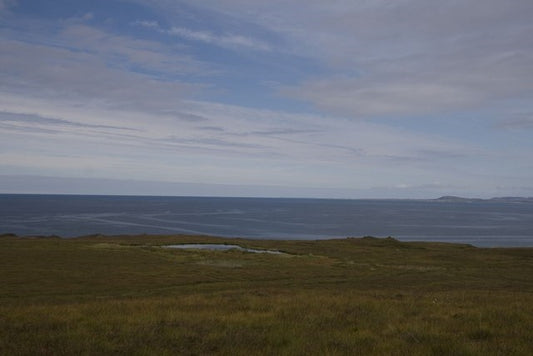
<point>453,198</point>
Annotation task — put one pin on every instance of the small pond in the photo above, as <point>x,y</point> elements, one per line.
<point>221,247</point>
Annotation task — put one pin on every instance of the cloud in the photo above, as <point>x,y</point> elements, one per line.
<point>129,53</point>
<point>6,5</point>
<point>418,89</point>
<point>211,128</point>
<point>227,40</point>
<point>80,100</point>
<point>517,121</point>
<point>8,117</point>
<point>51,72</point>
<point>147,24</point>
<point>409,57</point>
<point>291,147</point>
<point>282,132</point>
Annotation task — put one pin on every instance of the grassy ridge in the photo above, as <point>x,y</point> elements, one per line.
<point>127,295</point>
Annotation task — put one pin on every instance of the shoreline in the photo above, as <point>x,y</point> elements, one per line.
<point>158,239</point>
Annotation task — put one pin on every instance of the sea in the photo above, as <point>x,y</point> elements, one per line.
<point>482,223</point>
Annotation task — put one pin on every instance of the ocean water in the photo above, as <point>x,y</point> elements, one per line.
<point>480,223</point>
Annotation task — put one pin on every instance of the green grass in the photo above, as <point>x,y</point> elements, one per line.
<point>127,295</point>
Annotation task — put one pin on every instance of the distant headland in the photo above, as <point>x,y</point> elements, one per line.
<point>453,198</point>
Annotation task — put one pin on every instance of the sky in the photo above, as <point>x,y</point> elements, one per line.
<point>303,98</point>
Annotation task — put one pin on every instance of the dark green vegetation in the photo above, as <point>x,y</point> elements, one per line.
<point>126,295</point>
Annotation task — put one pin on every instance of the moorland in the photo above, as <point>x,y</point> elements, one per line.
<point>98,295</point>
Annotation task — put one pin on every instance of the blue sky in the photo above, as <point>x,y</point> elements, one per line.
<point>347,99</point>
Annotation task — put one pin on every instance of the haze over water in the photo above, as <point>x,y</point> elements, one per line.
<point>480,223</point>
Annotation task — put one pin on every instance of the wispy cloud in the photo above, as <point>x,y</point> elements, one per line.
<point>226,40</point>
<point>402,58</point>
<point>25,119</point>
<point>291,145</point>
<point>50,72</point>
<point>6,4</point>
<point>124,51</point>
<point>425,88</point>
<point>517,121</point>
<point>147,24</point>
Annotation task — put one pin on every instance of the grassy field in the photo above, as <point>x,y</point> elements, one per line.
<point>128,295</point>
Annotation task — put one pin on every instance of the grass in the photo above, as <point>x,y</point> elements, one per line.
<point>127,295</point>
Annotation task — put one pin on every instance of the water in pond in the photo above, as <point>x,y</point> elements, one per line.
<point>220,247</point>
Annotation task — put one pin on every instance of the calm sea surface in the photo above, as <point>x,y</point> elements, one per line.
<point>481,223</point>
